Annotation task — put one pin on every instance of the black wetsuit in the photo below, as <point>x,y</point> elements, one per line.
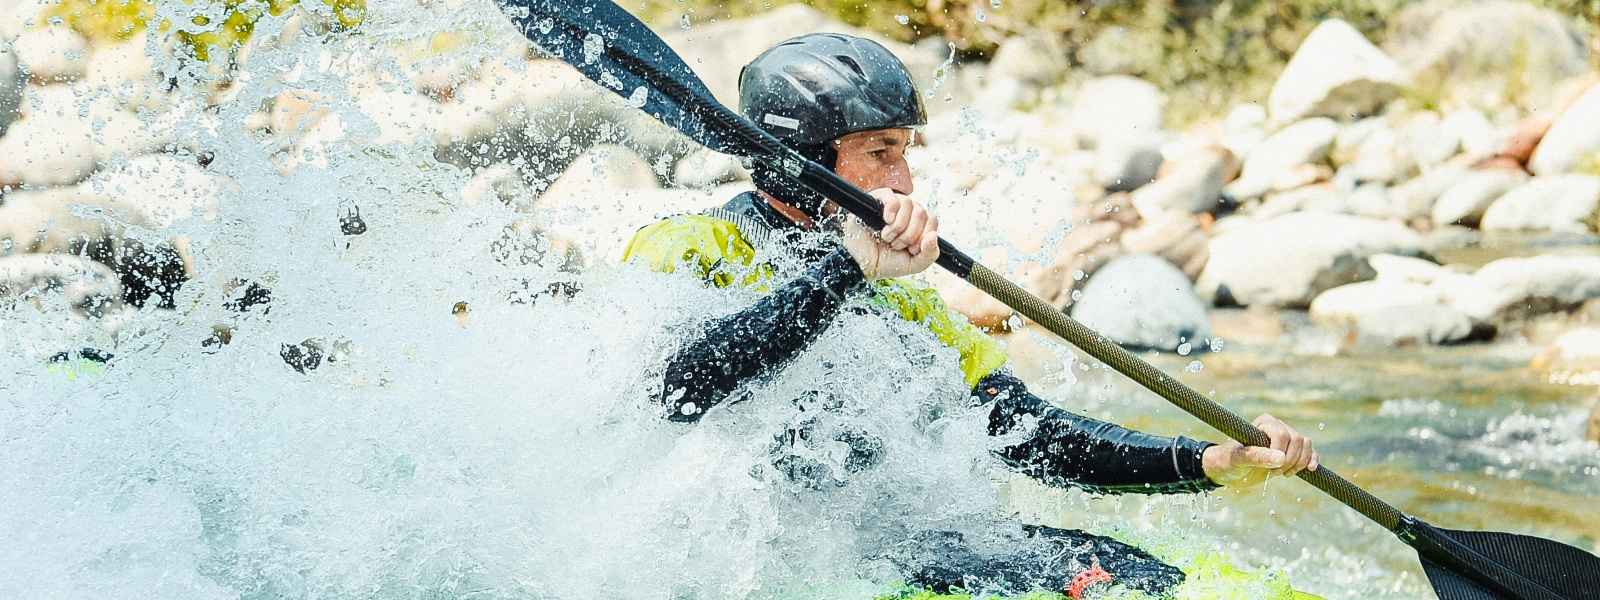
<point>1063,449</point>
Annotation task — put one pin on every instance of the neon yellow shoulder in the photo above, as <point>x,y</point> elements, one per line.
<point>918,303</point>
<point>714,249</point>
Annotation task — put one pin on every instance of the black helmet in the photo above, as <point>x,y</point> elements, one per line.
<point>813,89</point>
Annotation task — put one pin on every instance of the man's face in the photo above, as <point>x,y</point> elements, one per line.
<point>875,159</point>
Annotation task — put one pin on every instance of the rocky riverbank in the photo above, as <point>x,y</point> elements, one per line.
<point>1352,194</point>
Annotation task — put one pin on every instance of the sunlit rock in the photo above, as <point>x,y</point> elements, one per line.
<point>1551,203</point>
<point>1288,260</point>
<point>1465,200</point>
<point>52,54</point>
<point>1576,354</point>
<point>1394,268</point>
<point>1302,143</point>
<point>1391,313</point>
<point>1487,54</point>
<point>76,221</point>
<point>1127,162</point>
<point>1321,198</point>
<point>1573,141</point>
<point>128,72</point>
<point>1336,72</point>
<point>1511,289</point>
<point>1477,135</point>
<point>1244,128</point>
<point>53,147</point>
<point>1142,301</point>
<point>1188,183</point>
<point>1175,236</point>
<point>1416,198</point>
<point>1108,109</point>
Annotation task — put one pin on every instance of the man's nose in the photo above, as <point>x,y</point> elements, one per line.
<point>899,178</point>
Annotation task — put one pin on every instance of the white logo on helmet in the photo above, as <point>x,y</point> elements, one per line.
<point>781,121</point>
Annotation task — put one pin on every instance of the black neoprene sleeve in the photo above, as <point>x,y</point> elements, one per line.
<point>1070,450</point>
<point>758,339</point>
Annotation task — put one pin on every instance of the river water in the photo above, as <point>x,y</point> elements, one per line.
<point>514,451</point>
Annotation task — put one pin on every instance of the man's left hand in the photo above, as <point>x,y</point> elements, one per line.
<point>1234,464</point>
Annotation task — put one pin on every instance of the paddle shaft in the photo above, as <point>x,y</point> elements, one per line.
<point>954,260</point>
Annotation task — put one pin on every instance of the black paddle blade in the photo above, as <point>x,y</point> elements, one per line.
<point>1488,565</point>
<point>615,50</point>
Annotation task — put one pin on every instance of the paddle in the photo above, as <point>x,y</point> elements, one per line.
<point>614,49</point>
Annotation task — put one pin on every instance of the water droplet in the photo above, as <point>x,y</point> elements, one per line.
<point>1322,426</point>
<point>978,14</point>
<point>1077,295</point>
<point>1216,344</point>
<point>683,22</point>
<point>1078,274</point>
<point>638,97</point>
<point>592,47</point>
<point>902,19</point>
<point>1184,349</point>
<point>1194,367</point>
<point>994,4</point>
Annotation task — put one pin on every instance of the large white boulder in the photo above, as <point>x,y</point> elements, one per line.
<point>1573,139</point>
<point>1391,313</point>
<point>1467,198</point>
<point>1142,301</point>
<point>47,148</point>
<point>1336,72</point>
<point>1513,288</point>
<point>1189,183</point>
<point>52,54</point>
<point>1290,259</point>
<point>1108,109</point>
<point>1552,202</point>
<point>1271,165</point>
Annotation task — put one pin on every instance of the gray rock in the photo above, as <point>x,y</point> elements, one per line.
<point>1290,259</point>
<point>1189,183</point>
<point>1511,289</point>
<point>1407,269</point>
<point>1478,136</point>
<point>1415,198</point>
<point>1244,128</point>
<point>1035,60</point>
<point>1305,142</point>
<point>1335,72</point>
<point>1142,301</point>
<point>1126,163</point>
<point>1320,198</point>
<point>1174,236</point>
<point>1109,109</point>
<point>11,82</point>
<point>52,54</point>
<point>89,288</point>
<point>1553,202</point>
<point>1465,200</point>
<point>1573,140</point>
<point>1488,54</point>
<point>1391,313</point>
<point>47,149</point>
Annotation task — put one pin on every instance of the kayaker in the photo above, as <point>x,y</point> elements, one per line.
<point>848,103</point>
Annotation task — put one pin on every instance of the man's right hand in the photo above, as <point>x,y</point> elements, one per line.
<point>908,243</point>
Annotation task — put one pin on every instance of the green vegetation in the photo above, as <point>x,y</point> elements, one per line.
<point>105,21</point>
<point>1207,54</point>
